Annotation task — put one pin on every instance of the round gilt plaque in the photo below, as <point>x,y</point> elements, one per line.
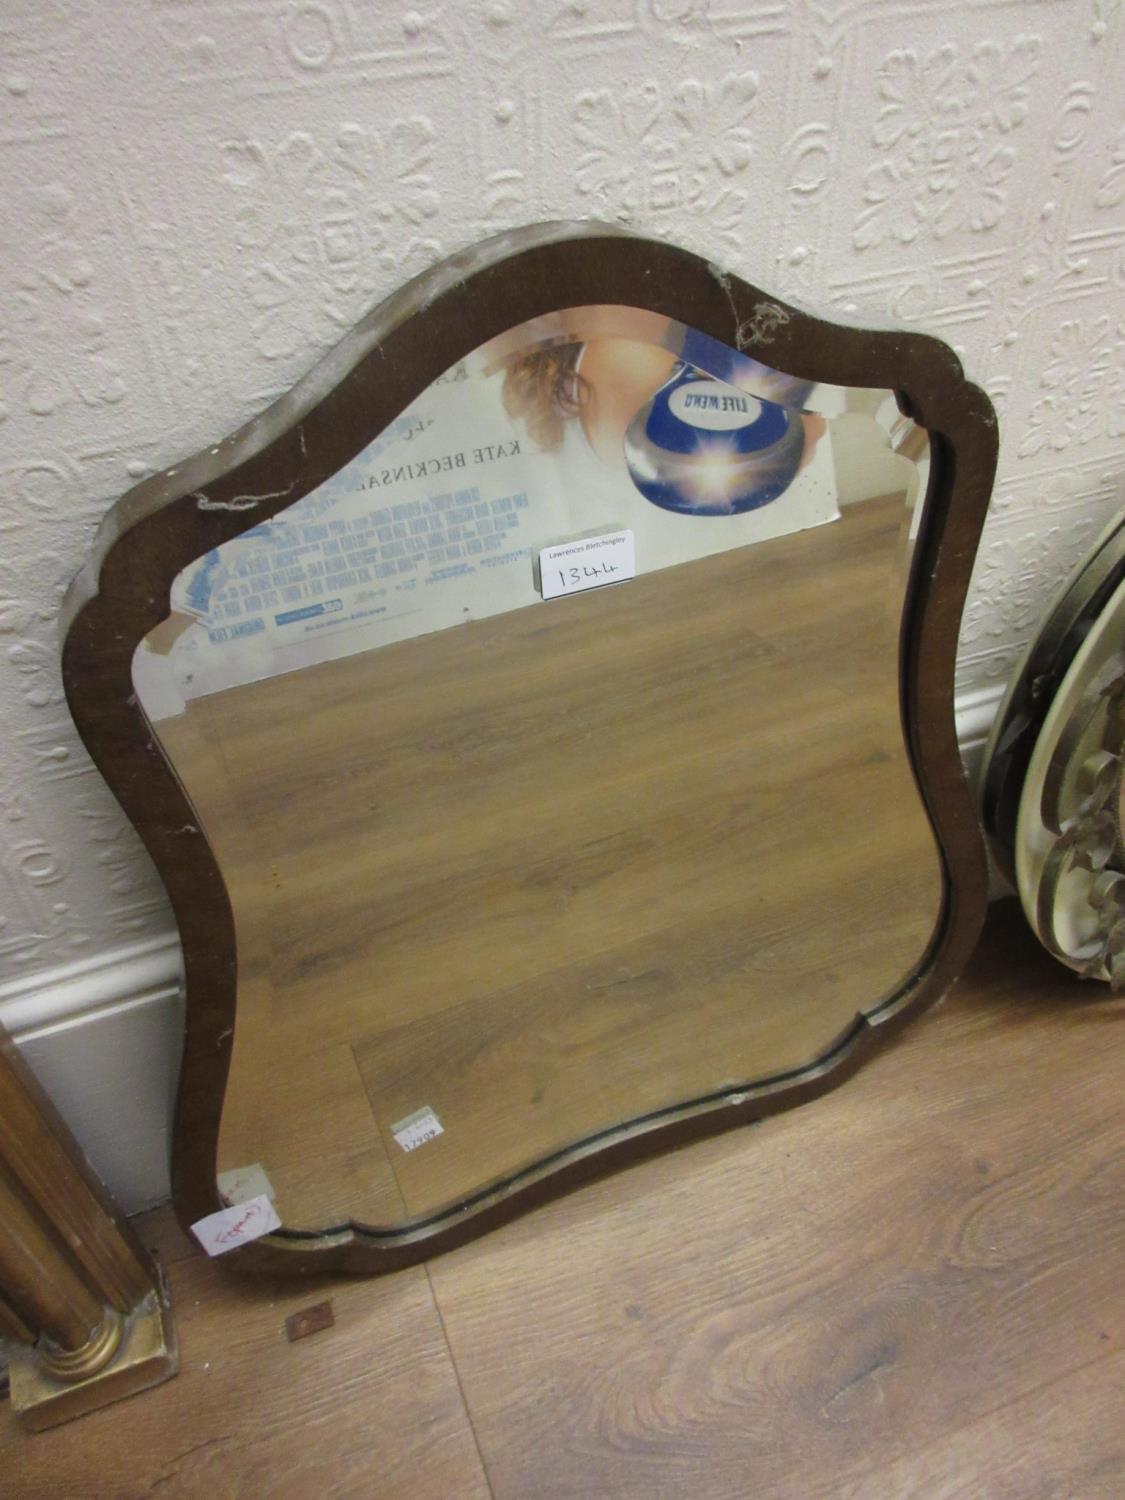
<point>1069,850</point>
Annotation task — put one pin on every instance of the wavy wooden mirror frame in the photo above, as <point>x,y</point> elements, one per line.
<point>361,386</point>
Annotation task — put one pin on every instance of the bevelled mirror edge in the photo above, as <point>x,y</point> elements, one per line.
<point>355,392</point>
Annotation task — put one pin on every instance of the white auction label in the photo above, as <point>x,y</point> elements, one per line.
<point>241,1184</point>
<point>235,1226</point>
<point>590,563</point>
<point>416,1129</point>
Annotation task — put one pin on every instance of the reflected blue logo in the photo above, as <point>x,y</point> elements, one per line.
<point>704,448</point>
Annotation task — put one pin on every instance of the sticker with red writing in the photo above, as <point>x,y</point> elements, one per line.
<point>235,1226</point>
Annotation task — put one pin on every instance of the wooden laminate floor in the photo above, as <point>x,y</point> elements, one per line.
<point>913,1287</point>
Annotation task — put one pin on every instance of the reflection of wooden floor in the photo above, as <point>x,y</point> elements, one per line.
<point>561,867</point>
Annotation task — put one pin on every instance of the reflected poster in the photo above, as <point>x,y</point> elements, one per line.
<point>584,422</point>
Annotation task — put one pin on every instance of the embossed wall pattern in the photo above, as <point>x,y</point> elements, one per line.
<point>201,196</point>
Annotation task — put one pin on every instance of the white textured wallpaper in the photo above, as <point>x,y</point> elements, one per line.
<point>200,196</point>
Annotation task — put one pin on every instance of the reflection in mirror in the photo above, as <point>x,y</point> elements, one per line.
<point>521,848</point>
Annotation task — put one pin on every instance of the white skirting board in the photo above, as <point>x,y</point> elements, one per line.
<point>103,1036</point>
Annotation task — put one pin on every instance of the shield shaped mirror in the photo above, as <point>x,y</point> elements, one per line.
<point>542,719</point>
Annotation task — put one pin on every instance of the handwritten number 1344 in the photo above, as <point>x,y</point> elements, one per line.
<point>568,577</point>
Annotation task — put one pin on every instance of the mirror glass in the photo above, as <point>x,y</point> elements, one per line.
<point>552,754</point>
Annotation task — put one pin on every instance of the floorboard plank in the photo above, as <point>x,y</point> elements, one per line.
<point>1065,1439</point>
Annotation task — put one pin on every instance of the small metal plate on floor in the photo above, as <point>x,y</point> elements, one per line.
<point>312,1319</point>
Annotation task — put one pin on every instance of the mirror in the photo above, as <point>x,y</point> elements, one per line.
<point>551,751</point>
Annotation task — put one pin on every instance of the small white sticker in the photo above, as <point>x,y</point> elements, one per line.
<point>235,1226</point>
<point>241,1184</point>
<point>416,1129</point>
<point>591,563</point>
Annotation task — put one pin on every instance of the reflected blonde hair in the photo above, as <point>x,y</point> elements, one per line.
<point>543,389</point>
